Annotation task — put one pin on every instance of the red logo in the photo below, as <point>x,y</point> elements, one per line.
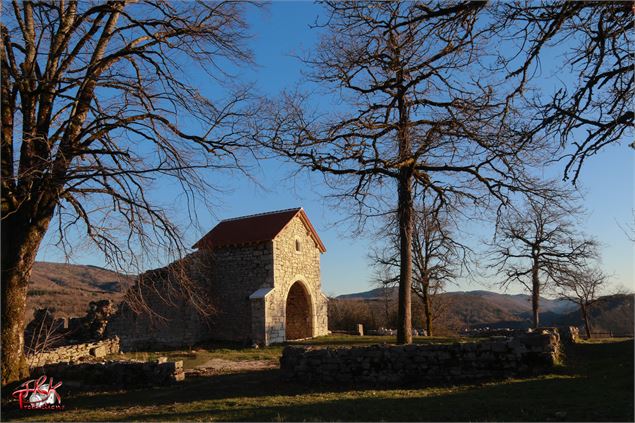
<point>37,394</point>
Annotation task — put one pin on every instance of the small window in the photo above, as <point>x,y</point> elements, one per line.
<point>298,247</point>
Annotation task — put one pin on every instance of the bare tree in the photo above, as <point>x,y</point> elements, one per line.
<point>593,39</point>
<point>411,111</point>
<point>583,286</point>
<point>629,228</point>
<point>43,333</point>
<point>536,246</point>
<point>95,105</point>
<point>438,259</point>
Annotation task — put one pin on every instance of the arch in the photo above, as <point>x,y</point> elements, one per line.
<point>298,312</point>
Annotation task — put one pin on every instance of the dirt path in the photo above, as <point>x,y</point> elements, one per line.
<point>221,366</point>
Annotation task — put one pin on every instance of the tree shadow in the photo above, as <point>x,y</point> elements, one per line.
<point>592,386</point>
<point>252,385</point>
<point>553,399</point>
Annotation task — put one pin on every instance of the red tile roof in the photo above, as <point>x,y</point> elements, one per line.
<point>255,228</point>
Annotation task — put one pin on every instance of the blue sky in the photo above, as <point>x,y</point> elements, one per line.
<point>283,28</point>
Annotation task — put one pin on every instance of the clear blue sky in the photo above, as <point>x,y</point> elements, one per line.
<point>282,29</point>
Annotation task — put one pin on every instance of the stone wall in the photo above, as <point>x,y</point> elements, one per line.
<point>93,325</point>
<point>119,374</point>
<point>226,277</point>
<point>177,325</point>
<point>76,352</point>
<point>172,322</point>
<point>237,273</point>
<point>567,334</point>
<point>290,267</point>
<point>496,357</point>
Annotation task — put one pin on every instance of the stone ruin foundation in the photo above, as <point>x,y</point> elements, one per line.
<point>117,374</point>
<point>93,325</point>
<point>45,332</point>
<point>568,334</point>
<point>57,352</point>
<point>76,365</point>
<point>492,358</point>
<point>74,353</point>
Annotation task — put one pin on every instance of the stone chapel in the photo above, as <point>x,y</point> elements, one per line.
<point>263,284</point>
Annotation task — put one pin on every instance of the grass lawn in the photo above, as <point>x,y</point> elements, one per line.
<point>596,383</point>
<point>198,356</point>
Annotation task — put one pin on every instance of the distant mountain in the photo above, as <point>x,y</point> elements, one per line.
<point>68,288</point>
<point>373,294</point>
<point>512,303</point>
<point>473,309</point>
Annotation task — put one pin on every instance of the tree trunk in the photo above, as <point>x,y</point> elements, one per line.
<point>585,317</point>
<point>21,238</point>
<point>404,325</point>
<point>535,296</point>
<point>386,304</point>
<point>405,210</point>
<point>427,311</point>
<point>405,207</point>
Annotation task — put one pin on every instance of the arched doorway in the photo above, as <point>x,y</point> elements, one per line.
<point>298,313</point>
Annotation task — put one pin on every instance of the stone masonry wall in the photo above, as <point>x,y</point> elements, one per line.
<point>291,266</point>
<point>173,321</point>
<point>238,272</point>
<point>77,352</point>
<point>568,334</point>
<point>120,374</point>
<point>227,277</point>
<point>497,357</point>
<point>179,325</point>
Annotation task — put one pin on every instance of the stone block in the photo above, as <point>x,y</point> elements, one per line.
<point>359,330</point>
<point>100,351</point>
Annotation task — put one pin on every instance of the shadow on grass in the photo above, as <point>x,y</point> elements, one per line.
<point>596,384</point>
<point>546,399</point>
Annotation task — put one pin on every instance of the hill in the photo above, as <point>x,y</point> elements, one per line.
<point>68,288</point>
<point>514,303</point>
<point>612,313</point>
<point>477,309</point>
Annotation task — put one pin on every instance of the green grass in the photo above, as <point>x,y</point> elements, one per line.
<point>198,356</point>
<point>595,384</point>
<point>351,340</point>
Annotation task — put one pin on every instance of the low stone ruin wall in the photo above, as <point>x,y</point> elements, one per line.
<point>568,334</point>
<point>47,331</point>
<point>488,332</point>
<point>121,374</point>
<point>76,352</point>
<point>496,357</point>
